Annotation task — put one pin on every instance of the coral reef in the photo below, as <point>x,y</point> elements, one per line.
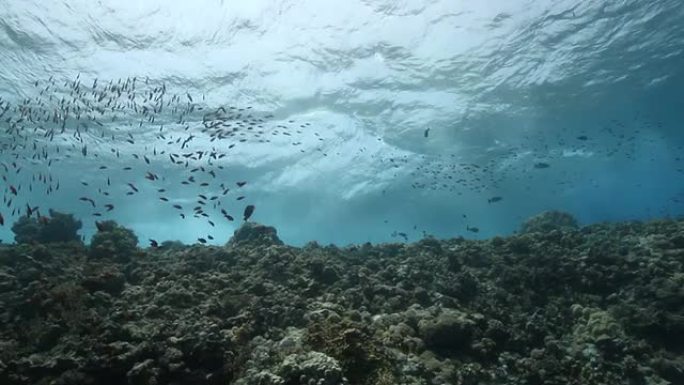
<point>58,227</point>
<point>113,242</point>
<point>255,233</point>
<point>598,305</point>
<point>549,220</point>
<point>311,368</point>
<point>172,245</point>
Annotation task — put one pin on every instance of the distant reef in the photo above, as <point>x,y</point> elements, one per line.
<point>555,304</point>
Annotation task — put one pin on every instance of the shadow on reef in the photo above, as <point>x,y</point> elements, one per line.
<point>555,304</point>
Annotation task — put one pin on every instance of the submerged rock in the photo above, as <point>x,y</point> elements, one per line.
<point>256,234</point>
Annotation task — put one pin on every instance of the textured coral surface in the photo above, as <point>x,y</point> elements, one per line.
<point>602,304</point>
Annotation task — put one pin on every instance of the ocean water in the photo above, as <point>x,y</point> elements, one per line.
<point>349,122</point>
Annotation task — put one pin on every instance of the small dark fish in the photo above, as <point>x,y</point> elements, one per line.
<point>494,199</point>
<point>109,207</point>
<point>229,217</point>
<point>86,199</point>
<point>132,187</point>
<point>241,197</point>
<point>582,137</point>
<point>210,237</point>
<point>240,184</point>
<point>164,199</point>
<point>179,207</point>
<point>542,165</point>
<point>427,132</point>
<point>473,229</point>
<point>248,211</point>
<point>154,244</point>
<point>13,190</point>
<point>2,220</point>
<point>202,240</point>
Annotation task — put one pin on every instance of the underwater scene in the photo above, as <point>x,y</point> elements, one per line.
<point>367,192</point>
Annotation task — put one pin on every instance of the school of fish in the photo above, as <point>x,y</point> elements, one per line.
<point>67,119</point>
<point>139,127</point>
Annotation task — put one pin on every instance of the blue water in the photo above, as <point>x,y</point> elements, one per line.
<point>593,89</point>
